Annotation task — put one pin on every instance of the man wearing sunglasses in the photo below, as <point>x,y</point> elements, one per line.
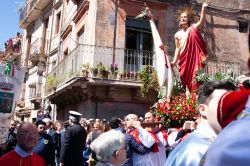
<point>23,155</point>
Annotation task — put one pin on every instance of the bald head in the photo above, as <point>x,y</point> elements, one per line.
<point>27,134</point>
<point>130,118</point>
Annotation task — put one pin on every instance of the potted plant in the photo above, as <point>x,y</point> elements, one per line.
<point>102,70</point>
<point>149,80</point>
<point>94,71</point>
<point>114,70</point>
<point>85,69</point>
<point>201,77</point>
<point>51,82</point>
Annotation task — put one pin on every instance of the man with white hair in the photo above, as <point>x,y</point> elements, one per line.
<point>74,142</point>
<point>109,148</point>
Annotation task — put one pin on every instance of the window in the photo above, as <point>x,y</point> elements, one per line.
<point>80,35</point>
<point>58,21</point>
<point>32,90</point>
<point>139,44</point>
<point>53,64</point>
<point>243,27</point>
<point>79,3</point>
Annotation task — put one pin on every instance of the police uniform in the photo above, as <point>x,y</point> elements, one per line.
<point>74,143</point>
<point>45,148</point>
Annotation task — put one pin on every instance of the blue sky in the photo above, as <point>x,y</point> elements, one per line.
<point>9,19</point>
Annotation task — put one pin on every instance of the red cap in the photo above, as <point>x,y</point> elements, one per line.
<point>230,105</point>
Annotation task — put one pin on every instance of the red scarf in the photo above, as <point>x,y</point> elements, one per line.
<point>155,148</point>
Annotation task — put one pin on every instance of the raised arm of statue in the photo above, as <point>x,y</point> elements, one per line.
<point>202,20</point>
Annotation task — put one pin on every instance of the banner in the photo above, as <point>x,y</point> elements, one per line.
<point>10,89</point>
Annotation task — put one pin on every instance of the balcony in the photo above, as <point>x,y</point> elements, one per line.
<point>35,93</point>
<point>129,63</point>
<point>32,11</point>
<point>214,66</point>
<point>11,54</point>
<point>38,49</point>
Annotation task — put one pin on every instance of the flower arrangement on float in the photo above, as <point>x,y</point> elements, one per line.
<point>179,108</point>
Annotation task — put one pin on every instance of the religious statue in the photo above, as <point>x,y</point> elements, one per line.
<point>190,46</point>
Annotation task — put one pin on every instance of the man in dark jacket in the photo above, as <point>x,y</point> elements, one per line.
<point>74,142</point>
<point>11,139</point>
<point>44,147</point>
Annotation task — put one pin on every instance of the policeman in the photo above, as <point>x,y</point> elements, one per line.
<point>45,147</point>
<point>74,142</point>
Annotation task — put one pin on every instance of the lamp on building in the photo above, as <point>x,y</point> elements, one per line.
<point>40,68</point>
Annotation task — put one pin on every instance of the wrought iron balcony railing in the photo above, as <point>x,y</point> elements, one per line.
<point>39,46</point>
<point>32,11</point>
<point>225,67</point>
<point>35,91</point>
<point>129,63</point>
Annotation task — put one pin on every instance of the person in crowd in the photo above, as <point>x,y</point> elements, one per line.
<point>97,129</point>
<point>50,129</point>
<point>18,124</point>
<point>198,141</point>
<point>58,128</point>
<point>231,120</point>
<point>40,115</point>
<point>106,126</point>
<point>142,136</point>
<point>109,148</point>
<point>160,135</point>
<point>74,142</point>
<point>65,126</point>
<point>45,147</point>
<point>190,46</point>
<point>116,124</point>
<point>23,155</point>
<point>11,139</point>
<point>132,146</point>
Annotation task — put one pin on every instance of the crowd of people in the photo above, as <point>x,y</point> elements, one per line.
<point>210,140</point>
<point>14,43</point>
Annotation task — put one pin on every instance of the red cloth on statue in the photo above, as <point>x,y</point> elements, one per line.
<point>191,57</point>
<point>14,159</point>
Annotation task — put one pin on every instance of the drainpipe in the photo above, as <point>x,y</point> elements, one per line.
<point>115,27</point>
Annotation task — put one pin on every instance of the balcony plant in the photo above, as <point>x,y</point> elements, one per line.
<point>51,82</point>
<point>85,69</point>
<point>149,80</point>
<point>94,71</point>
<point>200,78</point>
<point>102,70</point>
<point>114,70</point>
